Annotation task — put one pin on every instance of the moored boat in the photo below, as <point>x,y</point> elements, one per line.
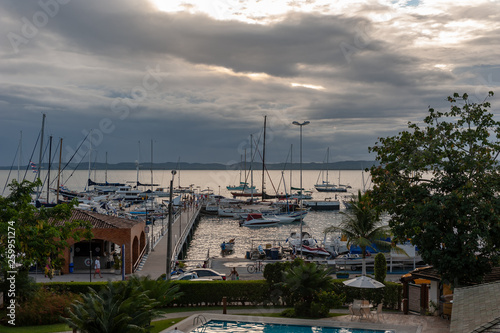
<point>327,204</point>
<point>257,220</point>
<point>227,246</point>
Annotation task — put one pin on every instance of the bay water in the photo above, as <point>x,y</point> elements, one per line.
<point>213,230</point>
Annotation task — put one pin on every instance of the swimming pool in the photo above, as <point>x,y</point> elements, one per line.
<point>216,326</point>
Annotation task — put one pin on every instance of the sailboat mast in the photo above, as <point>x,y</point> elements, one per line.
<point>241,166</point>
<point>59,170</point>
<point>90,156</point>
<point>151,165</point>
<point>245,165</point>
<point>137,163</point>
<point>264,159</point>
<point>251,167</point>
<point>106,171</point>
<point>327,160</point>
<point>291,166</point>
<point>41,154</point>
<point>48,174</point>
<point>19,160</point>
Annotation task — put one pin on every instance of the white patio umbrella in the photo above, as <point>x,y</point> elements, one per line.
<point>364,282</point>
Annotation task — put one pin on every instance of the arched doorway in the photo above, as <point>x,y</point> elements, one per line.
<point>143,240</point>
<point>82,256</point>
<point>135,250</point>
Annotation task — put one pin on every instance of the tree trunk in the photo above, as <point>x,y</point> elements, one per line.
<point>363,261</point>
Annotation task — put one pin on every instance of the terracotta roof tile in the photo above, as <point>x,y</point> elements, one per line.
<point>101,221</point>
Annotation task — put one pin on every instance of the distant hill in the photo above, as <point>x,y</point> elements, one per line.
<point>344,165</point>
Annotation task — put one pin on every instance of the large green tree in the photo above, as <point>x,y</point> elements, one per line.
<point>31,235</point>
<point>441,185</point>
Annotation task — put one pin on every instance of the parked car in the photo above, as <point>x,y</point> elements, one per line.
<point>208,273</point>
<point>191,276</point>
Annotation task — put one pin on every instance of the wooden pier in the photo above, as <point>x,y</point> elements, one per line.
<point>184,222</point>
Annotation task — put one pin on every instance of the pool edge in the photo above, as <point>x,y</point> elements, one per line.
<point>187,325</point>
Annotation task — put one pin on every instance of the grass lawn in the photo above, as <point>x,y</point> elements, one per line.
<point>35,329</point>
<point>159,326</point>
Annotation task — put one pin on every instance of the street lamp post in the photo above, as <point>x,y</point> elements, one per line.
<point>169,230</point>
<point>301,215</point>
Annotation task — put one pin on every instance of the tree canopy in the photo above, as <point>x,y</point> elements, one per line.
<point>31,235</point>
<point>440,184</point>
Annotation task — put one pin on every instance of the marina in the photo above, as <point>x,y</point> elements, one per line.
<point>197,236</point>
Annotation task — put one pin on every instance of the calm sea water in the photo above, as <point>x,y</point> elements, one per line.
<point>212,231</point>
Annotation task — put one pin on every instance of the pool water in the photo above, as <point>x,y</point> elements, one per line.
<point>214,326</point>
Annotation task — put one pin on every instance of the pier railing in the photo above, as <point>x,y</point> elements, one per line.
<point>192,212</point>
<point>138,261</point>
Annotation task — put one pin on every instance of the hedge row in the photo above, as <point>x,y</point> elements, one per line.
<point>198,293</point>
<point>211,292</point>
<point>195,293</point>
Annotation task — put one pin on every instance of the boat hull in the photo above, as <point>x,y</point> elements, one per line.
<point>322,205</point>
<point>320,188</point>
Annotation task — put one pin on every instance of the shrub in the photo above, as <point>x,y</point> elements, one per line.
<point>380,267</point>
<point>390,296</point>
<point>45,308</point>
<point>75,287</point>
<point>116,308</point>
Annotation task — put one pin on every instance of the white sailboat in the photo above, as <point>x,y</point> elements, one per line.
<point>325,185</point>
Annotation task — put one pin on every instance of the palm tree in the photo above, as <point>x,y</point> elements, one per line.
<point>118,307</point>
<point>305,282</point>
<point>362,227</point>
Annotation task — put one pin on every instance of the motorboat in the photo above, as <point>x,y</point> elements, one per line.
<point>307,239</point>
<point>227,246</point>
<point>310,252</point>
<point>126,193</point>
<point>336,244</point>
<point>257,220</point>
<point>282,218</point>
<point>327,204</point>
<point>309,247</point>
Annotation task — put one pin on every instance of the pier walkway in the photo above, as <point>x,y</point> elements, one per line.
<point>154,263</point>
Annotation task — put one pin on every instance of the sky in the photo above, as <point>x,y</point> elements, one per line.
<point>195,79</point>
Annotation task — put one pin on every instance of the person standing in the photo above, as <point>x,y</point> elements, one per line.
<point>234,274</point>
<point>97,267</point>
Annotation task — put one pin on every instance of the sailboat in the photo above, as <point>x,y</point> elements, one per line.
<point>243,186</point>
<point>325,185</point>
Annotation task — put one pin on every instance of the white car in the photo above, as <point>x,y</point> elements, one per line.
<point>189,276</point>
<point>207,273</point>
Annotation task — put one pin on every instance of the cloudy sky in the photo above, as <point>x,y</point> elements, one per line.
<point>198,77</point>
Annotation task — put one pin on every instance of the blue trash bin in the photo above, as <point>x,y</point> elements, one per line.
<point>71,267</point>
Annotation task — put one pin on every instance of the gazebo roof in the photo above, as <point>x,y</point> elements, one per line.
<point>430,273</point>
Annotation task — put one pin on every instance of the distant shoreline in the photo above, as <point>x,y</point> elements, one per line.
<point>344,165</point>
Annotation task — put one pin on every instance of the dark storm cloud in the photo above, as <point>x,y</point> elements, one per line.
<point>199,87</point>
